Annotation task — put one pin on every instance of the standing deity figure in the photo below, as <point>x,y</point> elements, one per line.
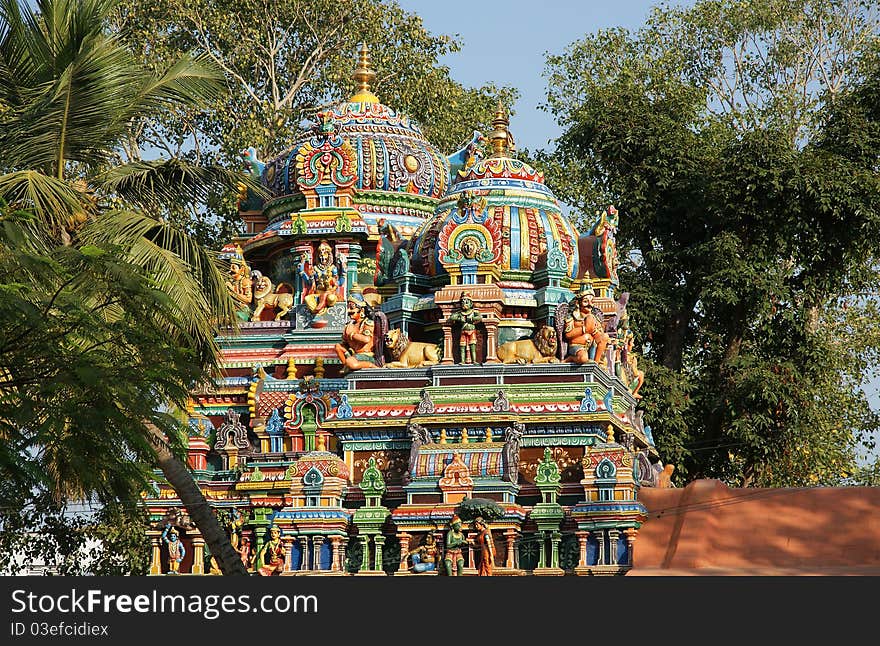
<point>424,557</point>
<point>356,349</point>
<point>628,369</point>
<point>468,316</point>
<point>176,550</point>
<point>455,542</point>
<point>321,281</point>
<point>584,327</point>
<point>486,546</point>
<point>272,554</point>
<point>240,284</point>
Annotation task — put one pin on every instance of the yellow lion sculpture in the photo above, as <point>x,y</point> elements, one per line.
<point>541,350</point>
<point>263,296</point>
<point>410,354</point>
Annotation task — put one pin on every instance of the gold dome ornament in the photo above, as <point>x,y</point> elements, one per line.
<point>364,75</point>
<point>501,139</point>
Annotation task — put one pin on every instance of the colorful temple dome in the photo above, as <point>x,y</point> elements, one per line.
<point>505,201</point>
<point>400,175</point>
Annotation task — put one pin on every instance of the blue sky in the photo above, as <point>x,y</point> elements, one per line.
<point>505,42</point>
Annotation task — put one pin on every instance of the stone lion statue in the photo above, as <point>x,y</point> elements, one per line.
<point>540,350</point>
<point>263,296</point>
<point>409,354</point>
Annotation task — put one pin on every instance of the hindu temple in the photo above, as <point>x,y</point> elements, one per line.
<point>433,372</point>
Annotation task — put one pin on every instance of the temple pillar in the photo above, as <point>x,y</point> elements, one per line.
<point>379,540</point>
<point>582,543</point>
<point>156,550</point>
<point>304,545</point>
<point>613,536</point>
<point>198,564</point>
<point>335,542</point>
<point>600,536</point>
<point>403,537</point>
<point>510,538</point>
<point>491,341</point>
<point>351,267</point>
<point>630,543</point>
<point>555,539</point>
<point>317,542</point>
<point>288,553</point>
<point>365,556</point>
<point>542,550</point>
<point>448,358</point>
<point>472,564</point>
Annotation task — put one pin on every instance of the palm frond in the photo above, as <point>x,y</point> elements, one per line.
<point>150,184</point>
<point>51,200</point>
<point>189,275</point>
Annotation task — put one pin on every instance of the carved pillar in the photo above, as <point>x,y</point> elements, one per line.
<point>403,537</point>
<point>365,556</point>
<point>510,538</point>
<point>351,271</point>
<point>317,541</point>
<point>630,541</point>
<point>448,359</point>
<point>302,249</point>
<point>582,543</point>
<point>288,552</point>
<point>470,548</point>
<point>304,559</point>
<point>613,535</point>
<point>335,542</point>
<point>379,540</point>
<point>491,341</point>
<point>542,550</point>
<point>600,536</point>
<point>155,548</point>
<point>555,538</point>
<point>198,565</point>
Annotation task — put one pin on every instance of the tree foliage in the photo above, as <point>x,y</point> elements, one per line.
<point>282,61</point>
<point>95,282</point>
<point>740,142</point>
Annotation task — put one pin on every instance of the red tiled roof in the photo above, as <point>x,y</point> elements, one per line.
<point>708,528</point>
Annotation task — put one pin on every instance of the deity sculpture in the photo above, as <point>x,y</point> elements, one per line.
<point>585,327</point>
<point>424,557</point>
<point>240,284</point>
<point>356,349</point>
<point>455,542</point>
<point>176,550</point>
<point>486,547</point>
<point>322,281</point>
<point>272,554</point>
<point>468,316</point>
<point>628,367</point>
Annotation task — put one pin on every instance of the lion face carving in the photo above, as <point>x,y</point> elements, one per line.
<point>540,350</point>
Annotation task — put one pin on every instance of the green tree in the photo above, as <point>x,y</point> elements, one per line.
<point>283,60</point>
<point>95,282</point>
<point>739,141</point>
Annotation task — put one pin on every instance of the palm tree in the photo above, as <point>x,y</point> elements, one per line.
<point>70,95</point>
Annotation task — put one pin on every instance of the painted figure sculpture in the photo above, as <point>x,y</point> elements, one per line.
<point>468,316</point>
<point>356,349</point>
<point>585,328</point>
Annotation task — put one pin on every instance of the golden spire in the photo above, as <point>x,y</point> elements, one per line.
<point>500,136</point>
<point>363,75</point>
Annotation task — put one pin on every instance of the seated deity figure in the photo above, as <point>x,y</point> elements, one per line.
<point>585,327</point>
<point>321,281</point>
<point>424,557</point>
<point>273,554</point>
<point>355,350</point>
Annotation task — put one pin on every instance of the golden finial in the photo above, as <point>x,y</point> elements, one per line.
<point>464,436</point>
<point>500,136</point>
<point>322,443</point>
<point>363,75</point>
<point>319,368</point>
<point>442,436</point>
<point>488,434</point>
<point>291,369</point>
<point>610,434</point>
